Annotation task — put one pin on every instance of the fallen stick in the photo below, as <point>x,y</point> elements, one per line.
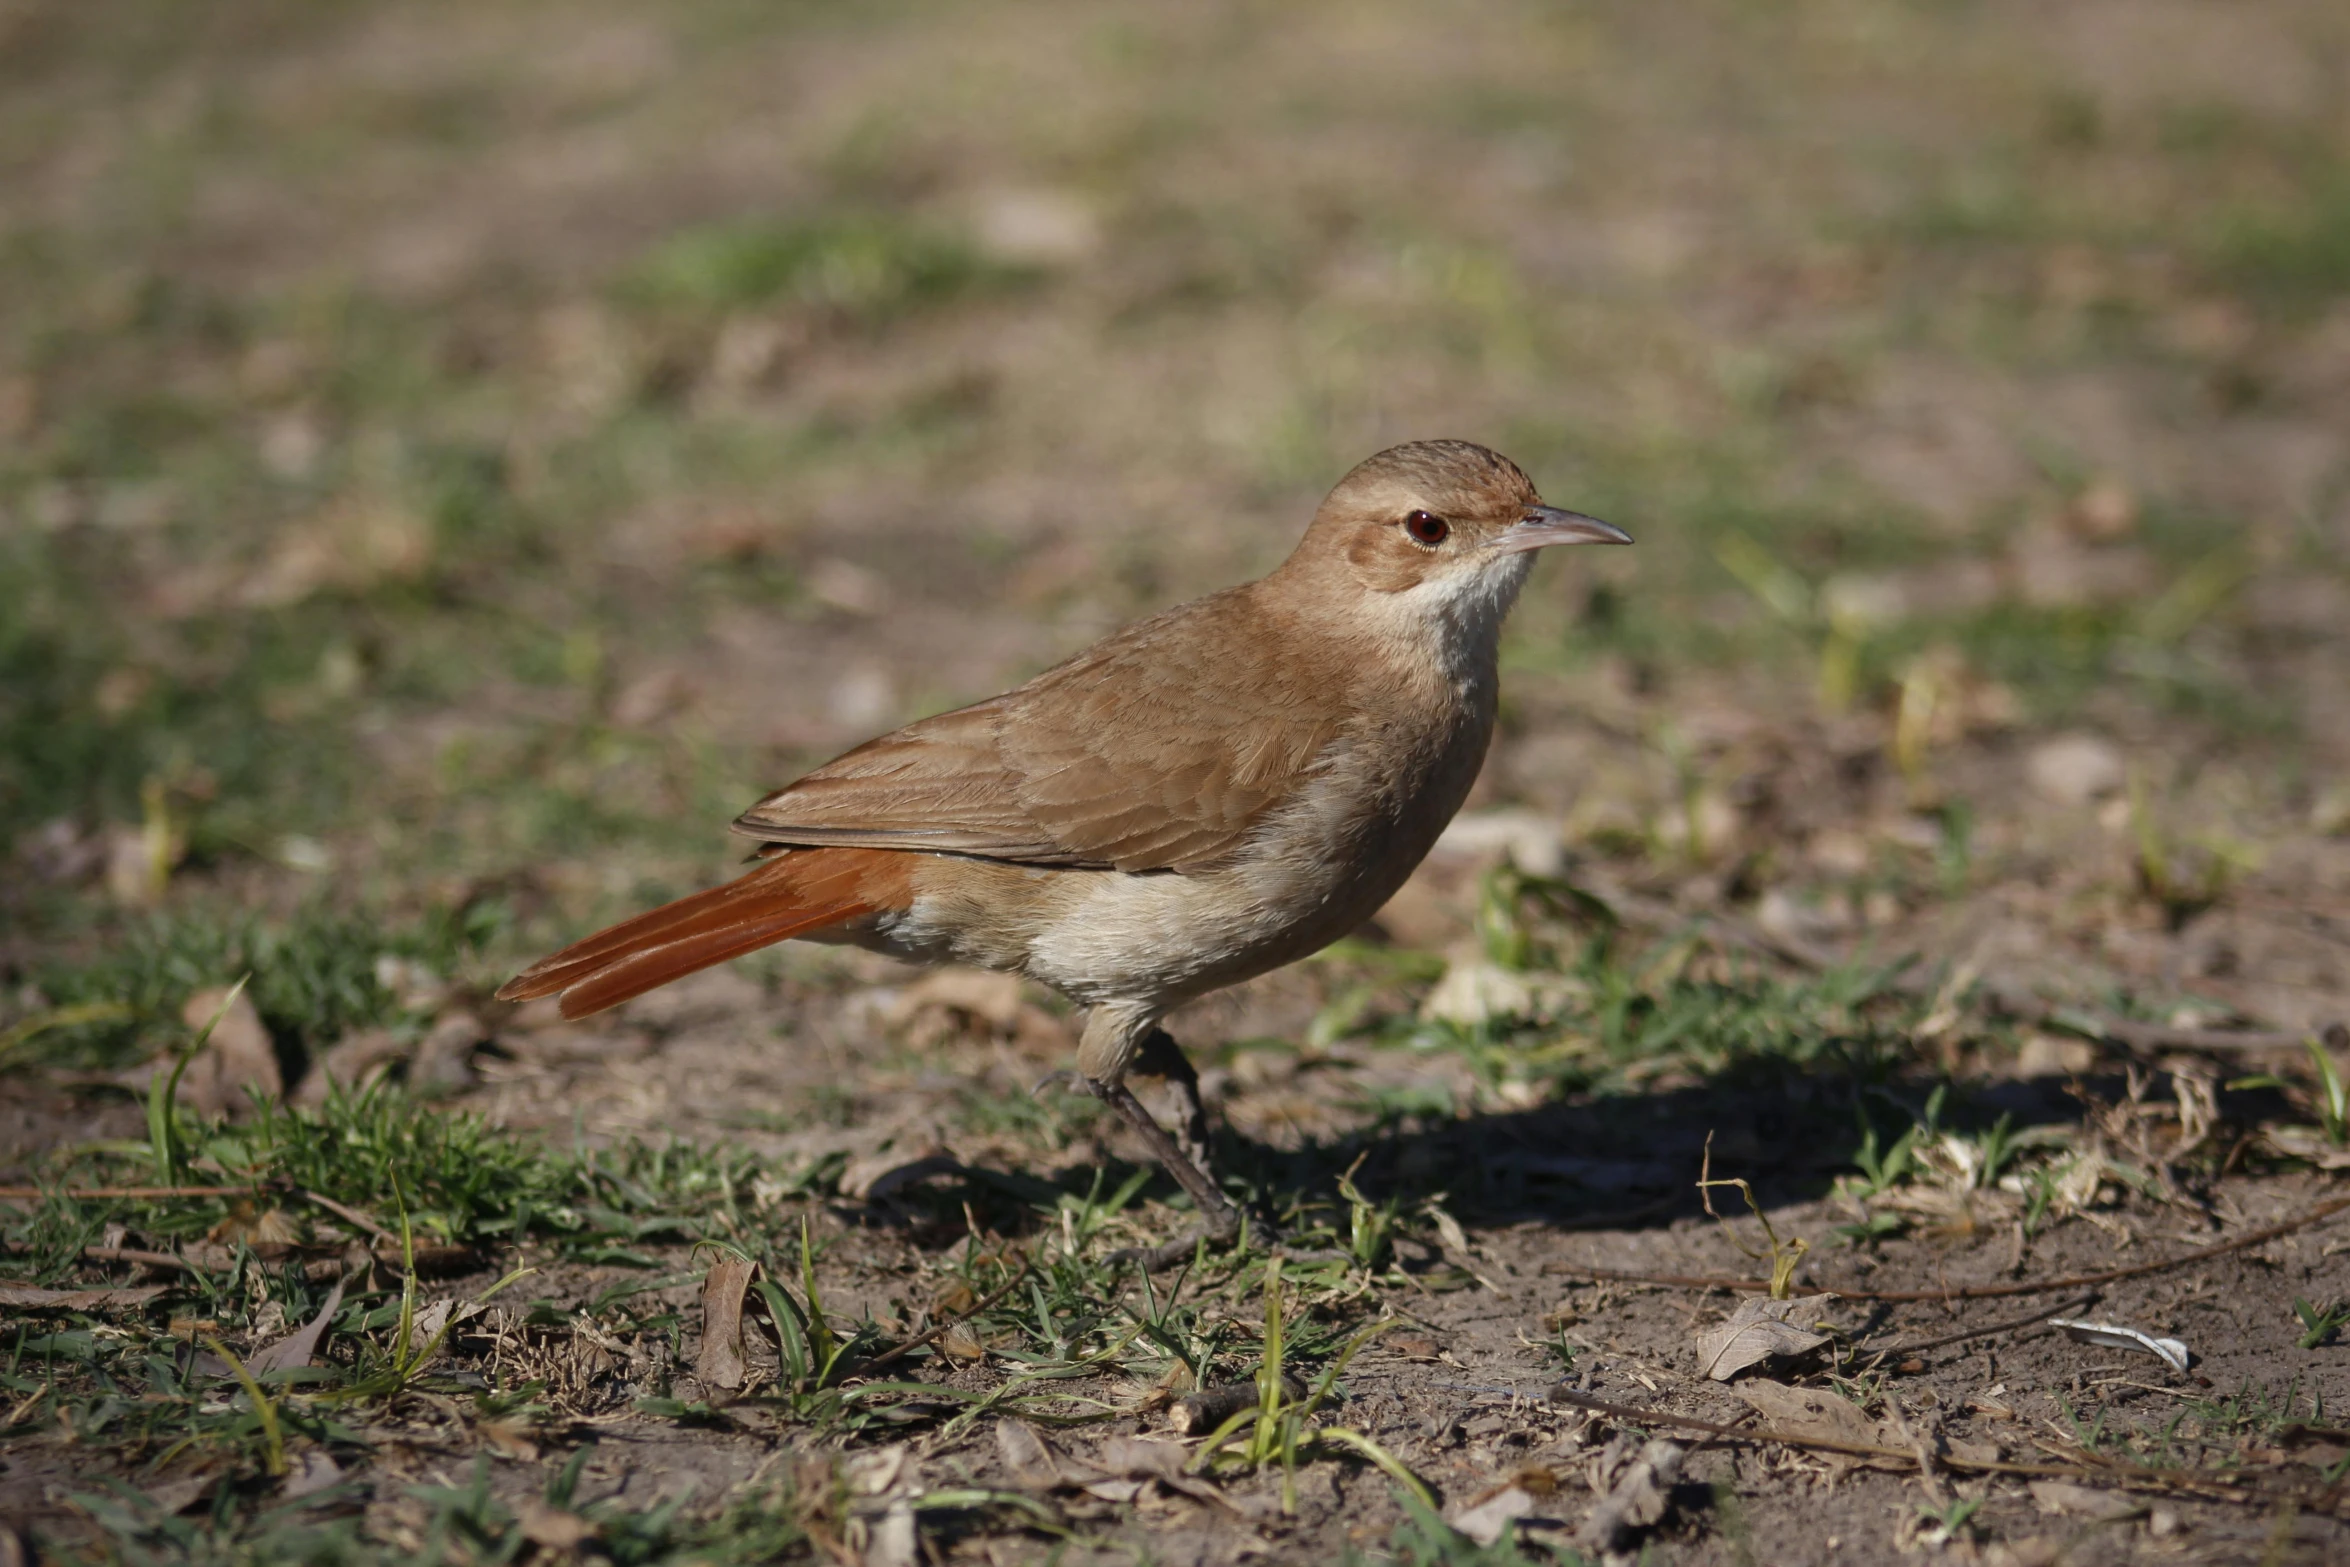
<point>152,1193</point>
<point>2079,1281</point>
<point>909,1346</point>
<point>2134,1475</point>
<point>146,1259</point>
<point>1210,1407</point>
<point>2009,1326</point>
<point>97,1193</point>
<point>348,1215</point>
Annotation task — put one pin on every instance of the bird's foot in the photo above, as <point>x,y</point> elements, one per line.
<point>1221,1224</point>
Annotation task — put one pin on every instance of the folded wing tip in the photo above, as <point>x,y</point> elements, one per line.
<point>525,986</point>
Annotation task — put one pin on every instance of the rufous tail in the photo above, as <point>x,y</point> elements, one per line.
<point>798,891</point>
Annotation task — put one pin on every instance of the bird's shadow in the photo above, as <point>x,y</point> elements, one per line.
<point>1626,1160</point>
<point>1632,1160</point>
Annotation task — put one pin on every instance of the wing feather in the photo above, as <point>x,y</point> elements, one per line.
<point>1156,749</point>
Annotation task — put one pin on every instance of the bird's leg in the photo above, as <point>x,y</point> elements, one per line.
<point>1118,1040</point>
<point>1171,1092</point>
<point>1222,1219</point>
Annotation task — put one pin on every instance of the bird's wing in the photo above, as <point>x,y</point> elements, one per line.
<point>1157,749</point>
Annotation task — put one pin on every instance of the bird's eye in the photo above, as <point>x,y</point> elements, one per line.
<point>1427,528</point>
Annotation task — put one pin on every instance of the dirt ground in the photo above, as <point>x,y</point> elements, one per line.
<point>453,458</point>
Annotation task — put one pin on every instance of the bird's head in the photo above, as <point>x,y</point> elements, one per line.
<point>1441,530</point>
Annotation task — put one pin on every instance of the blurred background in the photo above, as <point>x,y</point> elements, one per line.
<point>455,454</point>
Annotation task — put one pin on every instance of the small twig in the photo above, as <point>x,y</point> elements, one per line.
<point>2146,1387</point>
<point>1536,1393</point>
<point>2080,1281</point>
<point>1562,1394</point>
<point>145,1259</point>
<point>2009,1326</point>
<point>1027,1261</point>
<point>2116,1473</point>
<point>1210,1407</point>
<point>348,1215</point>
<point>97,1193</point>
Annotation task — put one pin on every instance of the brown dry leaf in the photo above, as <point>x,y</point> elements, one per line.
<point>2075,769</point>
<point>1761,1330</point>
<point>298,1347</point>
<point>32,1298</point>
<point>1143,1456</point>
<point>2084,1501</point>
<point>876,1175</point>
<point>1485,1521</point>
<point>954,1002</point>
<point>511,1438</point>
<point>880,1471</point>
<point>139,860</point>
<point>1973,1452</point>
<point>985,997</point>
<point>1474,990</point>
<point>444,1056</point>
<point>1638,1496</point>
<point>353,545</point>
<point>2102,513</point>
<point>180,1493</point>
<point>209,1256</point>
<point>721,1363</point>
<point>312,1471</point>
<point>2306,1142</point>
<point>350,1062</point>
<point>431,1323</point>
<point>1144,1459</point>
<point>1818,1414</point>
<point>269,1232</point>
<point>846,586</point>
<point>1026,1454</point>
<point>550,1527</point>
<point>238,1056</point>
<point>893,1541</point>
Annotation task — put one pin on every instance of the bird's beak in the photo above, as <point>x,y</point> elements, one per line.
<point>1547,525</point>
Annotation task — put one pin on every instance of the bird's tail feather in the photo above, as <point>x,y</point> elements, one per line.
<point>796,892</point>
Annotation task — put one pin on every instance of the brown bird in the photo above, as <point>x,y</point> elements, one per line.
<point>1195,800</point>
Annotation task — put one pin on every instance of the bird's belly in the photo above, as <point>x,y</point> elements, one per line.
<point>1157,939</point>
<point>1313,873</point>
<point>1164,939</point>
